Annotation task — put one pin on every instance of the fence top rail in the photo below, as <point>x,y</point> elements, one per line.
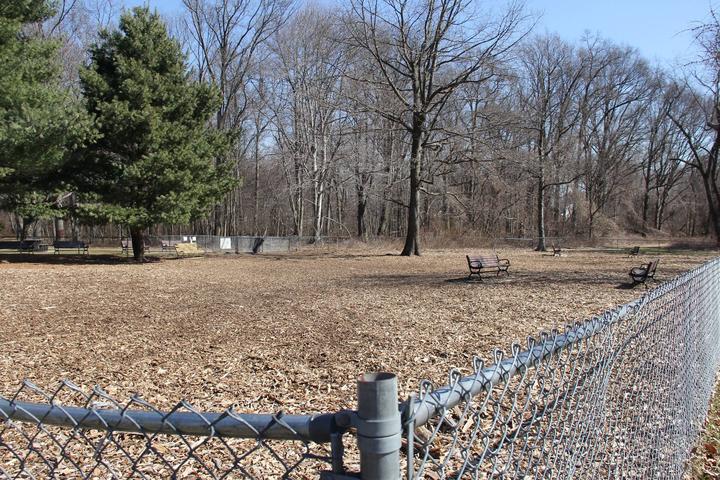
<point>431,402</point>
<point>184,419</point>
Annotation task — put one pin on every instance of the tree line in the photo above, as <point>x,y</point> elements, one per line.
<point>367,118</point>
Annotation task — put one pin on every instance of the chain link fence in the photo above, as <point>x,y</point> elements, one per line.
<point>74,433</point>
<point>620,395</point>
<point>250,244</point>
<point>209,243</point>
<point>233,244</point>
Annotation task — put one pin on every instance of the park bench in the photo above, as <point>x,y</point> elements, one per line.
<point>487,263</point>
<point>634,251</point>
<point>31,246</point>
<point>27,245</point>
<point>126,246</point>
<point>34,245</point>
<point>81,247</point>
<point>644,272</point>
<point>187,249</point>
<point>168,245</point>
<point>557,251</point>
<point>9,245</point>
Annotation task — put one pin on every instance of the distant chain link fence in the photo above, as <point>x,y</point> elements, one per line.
<point>213,243</point>
<point>620,395</point>
<point>253,244</point>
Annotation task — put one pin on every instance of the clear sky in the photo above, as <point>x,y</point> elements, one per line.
<point>658,28</point>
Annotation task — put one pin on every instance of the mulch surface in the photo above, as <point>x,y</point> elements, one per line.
<point>286,332</point>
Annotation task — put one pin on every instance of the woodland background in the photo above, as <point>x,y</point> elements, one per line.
<point>344,116</point>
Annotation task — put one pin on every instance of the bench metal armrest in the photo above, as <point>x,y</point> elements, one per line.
<point>504,262</point>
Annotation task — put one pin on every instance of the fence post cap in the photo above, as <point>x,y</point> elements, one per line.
<point>373,377</point>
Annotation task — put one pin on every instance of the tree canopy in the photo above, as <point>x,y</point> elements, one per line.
<point>154,160</point>
<point>40,121</point>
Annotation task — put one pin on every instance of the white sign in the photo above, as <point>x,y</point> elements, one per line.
<point>225,243</point>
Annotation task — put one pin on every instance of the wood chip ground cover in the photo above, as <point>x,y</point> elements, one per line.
<point>287,332</point>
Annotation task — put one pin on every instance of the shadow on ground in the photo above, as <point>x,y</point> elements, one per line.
<point>464,280</point>
<point>60,259</point>
<point>524,279</point>
<point>631,286</point>
<point>295,257</point>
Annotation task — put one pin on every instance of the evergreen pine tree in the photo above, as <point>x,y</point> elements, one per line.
<point>154,162</point>
<point>40,121</point>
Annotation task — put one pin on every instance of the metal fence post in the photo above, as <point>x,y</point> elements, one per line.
<point>379,427</point>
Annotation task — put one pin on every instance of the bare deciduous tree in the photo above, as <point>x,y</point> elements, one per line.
<point>699,120</point>
<point>424,51</point>
<point>226,38</point>
<point>550,74</point>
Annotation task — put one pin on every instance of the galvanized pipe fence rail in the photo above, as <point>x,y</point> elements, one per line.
<point>620,395</point>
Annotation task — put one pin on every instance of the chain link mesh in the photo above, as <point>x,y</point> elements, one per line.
<point>621,395</point>
<point>139,441</point>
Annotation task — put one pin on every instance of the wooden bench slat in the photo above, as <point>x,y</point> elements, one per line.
<point>644,272</point>
<point>126,246</point>
<point>34,245</point>
<point>487,263</point>
<point>80,246</point>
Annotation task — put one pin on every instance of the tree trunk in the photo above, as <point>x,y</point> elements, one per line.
<point>412,246</point>
<point>557,217</point>
<point>646,193</point>
<point>24,228</point>
<point>138,245</point>
<point>382,221</point>
<point>217,220</point>
<point>541,247</point>
<point>256,182</point>
<point>361,228</point>
<point>712,206</point>
<point>59,228</point>
<point>318,193</point>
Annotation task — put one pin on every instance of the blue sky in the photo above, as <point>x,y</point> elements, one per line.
<point>658,28</point>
